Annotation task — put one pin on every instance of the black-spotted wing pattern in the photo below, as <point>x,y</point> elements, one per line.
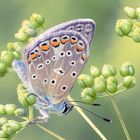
<point>55,58</point>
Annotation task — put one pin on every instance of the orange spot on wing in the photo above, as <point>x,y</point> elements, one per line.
<point>55,43</point>
<point>79,48</point>
<point>63,41</point>
<point>33,56</point>
<point>84,57</point>
<point>44,47</point>
<point>73,40</point>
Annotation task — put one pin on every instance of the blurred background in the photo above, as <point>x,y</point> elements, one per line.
<point>107,47</point>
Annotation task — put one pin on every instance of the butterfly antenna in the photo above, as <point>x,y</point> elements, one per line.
<point>105,119</point>
<point>95,104</point>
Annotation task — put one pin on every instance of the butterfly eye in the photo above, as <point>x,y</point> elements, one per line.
<point>64,39</point>
<point>80,46</point>
<point>73,39</point>
<point>69,53</point>
<point>55,41</point>
<point>44,46</point>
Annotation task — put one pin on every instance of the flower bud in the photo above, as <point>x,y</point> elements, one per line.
<point>3,69</point>
<point>123,27</point>
<point>88,92</point>
<point>10,109</point>
<point>14,125</point>
<point>26,24</point>
<point>6,128</point>
<point>3,135</point>
<point>2,110</point>
<point>16,55</point>
<point>129,81</point>
<point>22,36</point>
<point>31,99</point>
<point>136,34</point>
<point>131,12</point>
<point>36,20</point>
<point>100,84</point>
<point>88,95</point>
<point>108,70</point>
<point>3,120</point>
<point>112,79</point>
<point>20,112</point>
<point>127,69</point>
<point>24,97</point>
<point>31,32</point>
<point>111,87</point>
<point>94,71</point>
<point>138,12</point>
<point>7,57</point>
<point>14,46</point>
<point>11,127</point>
<point>85,80</point>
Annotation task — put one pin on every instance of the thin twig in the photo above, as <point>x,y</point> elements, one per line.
<point>51,133</point>
<point>88,120</point>
<point>122,90</point>
<point>120,117</point>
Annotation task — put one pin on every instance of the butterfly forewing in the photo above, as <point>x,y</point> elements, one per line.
<point>56,57</point>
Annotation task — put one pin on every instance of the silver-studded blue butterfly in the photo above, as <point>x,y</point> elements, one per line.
<point>52,62</point>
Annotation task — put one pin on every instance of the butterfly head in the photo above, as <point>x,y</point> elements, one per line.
<point>67,108</point>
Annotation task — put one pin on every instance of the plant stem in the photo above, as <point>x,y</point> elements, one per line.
<point>88,120</point>
<point>30,112</point>
<point>122,90</point>
<point>120,117</point>
<point>50,132</point>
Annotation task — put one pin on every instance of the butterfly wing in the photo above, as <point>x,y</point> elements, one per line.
<point>86,27</point>
<point>55,59</point>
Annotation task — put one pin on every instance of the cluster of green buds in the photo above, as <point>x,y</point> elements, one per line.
<point>103,82</point>
<point>7,56</point>
<point>30,28</point>
<point>129,27</point>
<point>24,97</point>
<point>10,127</point>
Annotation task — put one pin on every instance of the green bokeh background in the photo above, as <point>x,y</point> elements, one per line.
<point>106,48</point>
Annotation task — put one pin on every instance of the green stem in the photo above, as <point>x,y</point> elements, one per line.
<point>93,126</point>
<point>120,117</point>
<point>30,112</point>
<point>113,93</point>
<point>120,85</point>
<point>50,132</point>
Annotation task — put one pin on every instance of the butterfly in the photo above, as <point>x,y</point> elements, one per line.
<point>52,62</point>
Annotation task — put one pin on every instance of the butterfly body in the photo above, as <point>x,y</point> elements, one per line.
<point>52,62</point>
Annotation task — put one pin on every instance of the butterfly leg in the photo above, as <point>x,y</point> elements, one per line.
<point>40,119</point>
